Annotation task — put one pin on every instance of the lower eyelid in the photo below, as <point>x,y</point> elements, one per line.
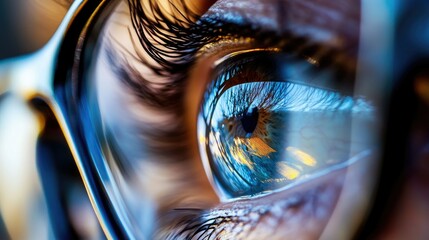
<point>302,211</point>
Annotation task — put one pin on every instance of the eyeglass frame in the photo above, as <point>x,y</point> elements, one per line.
<point>60,64</point>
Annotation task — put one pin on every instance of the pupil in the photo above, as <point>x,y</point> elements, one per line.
<point>250,120</point>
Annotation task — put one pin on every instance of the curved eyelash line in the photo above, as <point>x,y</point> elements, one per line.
<point>212,224</point>
<point>173,42</point>
<point>168,37</point>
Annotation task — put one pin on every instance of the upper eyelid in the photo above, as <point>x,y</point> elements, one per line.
<point>318,54</point>
<point>341,67</point>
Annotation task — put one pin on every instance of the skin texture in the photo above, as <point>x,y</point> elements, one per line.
<point>332,23</point>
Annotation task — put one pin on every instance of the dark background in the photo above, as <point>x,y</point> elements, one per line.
<point>26,25</point>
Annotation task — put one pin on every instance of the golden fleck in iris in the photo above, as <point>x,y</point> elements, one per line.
<point>258,147</point>
<point>239,155</point>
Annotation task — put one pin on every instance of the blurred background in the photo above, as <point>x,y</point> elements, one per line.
<point>26,25</point>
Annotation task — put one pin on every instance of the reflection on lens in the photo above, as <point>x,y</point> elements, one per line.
<point>262,132</point>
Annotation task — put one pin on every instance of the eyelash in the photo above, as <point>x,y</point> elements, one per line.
<point>177,39</point>
<point>200,224</point>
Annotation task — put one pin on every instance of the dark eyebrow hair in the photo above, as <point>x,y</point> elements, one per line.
<point>172,42</point>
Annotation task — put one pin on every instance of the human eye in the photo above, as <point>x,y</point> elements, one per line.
<point>229,126</point>
<point>269,119</point>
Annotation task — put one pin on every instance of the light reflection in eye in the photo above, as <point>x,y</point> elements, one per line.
<point>261,132</point>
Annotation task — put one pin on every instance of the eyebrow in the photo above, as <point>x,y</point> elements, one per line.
<point>173,42</point>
